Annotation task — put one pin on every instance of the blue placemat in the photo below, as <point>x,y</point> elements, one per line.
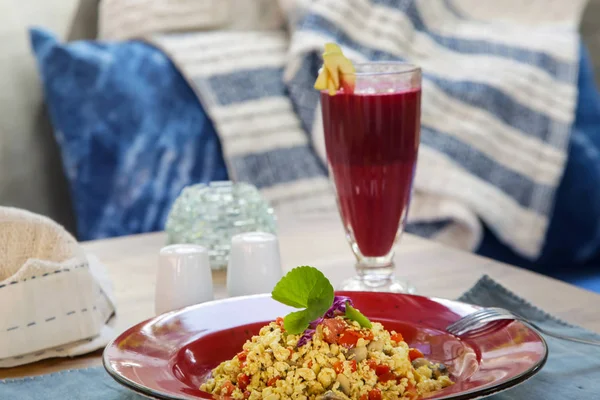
<point>572,371</point>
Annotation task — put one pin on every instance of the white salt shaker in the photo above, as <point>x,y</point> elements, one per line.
<point>254,264</point>
<point>184,277</point>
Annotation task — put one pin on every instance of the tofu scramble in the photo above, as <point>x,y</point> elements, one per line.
<point>341,361</point>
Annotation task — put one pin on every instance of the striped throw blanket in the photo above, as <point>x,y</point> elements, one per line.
<point>499,95</point>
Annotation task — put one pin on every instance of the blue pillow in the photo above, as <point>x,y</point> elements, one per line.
<point>131,131</point>
<point>572,248</point>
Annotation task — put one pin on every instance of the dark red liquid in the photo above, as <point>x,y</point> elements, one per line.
<point>372,142</point>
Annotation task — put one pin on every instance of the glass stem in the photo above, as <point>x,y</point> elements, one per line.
<point>375,271</point>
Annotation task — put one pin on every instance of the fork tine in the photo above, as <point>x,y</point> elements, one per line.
<point>502,311</point>
<point>468,319</point>
<point>481,324</point>
<point>478,315</point>
<point>473,322</point>
<point>464,320</point>
<point>478,319</point>
<point>489,312</point>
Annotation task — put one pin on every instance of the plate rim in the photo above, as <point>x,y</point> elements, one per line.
<point>473,394</point>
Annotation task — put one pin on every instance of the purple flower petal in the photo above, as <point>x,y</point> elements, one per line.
<point>337,308</point>
<point>306,336</point>
<point>339,305</point>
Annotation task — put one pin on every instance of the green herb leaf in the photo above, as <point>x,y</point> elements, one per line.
<point>355,315</point>
<point>296,322</point>
<point>303,287</point>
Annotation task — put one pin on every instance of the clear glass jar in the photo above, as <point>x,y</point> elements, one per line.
<point>210,215</point>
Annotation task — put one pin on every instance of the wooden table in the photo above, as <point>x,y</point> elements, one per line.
<point>434,269</point>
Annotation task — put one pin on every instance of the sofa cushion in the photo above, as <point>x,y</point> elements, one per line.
<point>572,248</point>
<point>132,133</point>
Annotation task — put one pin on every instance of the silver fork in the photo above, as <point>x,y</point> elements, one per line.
<point>481,318</point>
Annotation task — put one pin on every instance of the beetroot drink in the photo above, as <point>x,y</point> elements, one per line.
<point>372,141</point>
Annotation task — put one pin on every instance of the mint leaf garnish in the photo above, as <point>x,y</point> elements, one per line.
<point>296,322</point>
<point>355,315</point>
<point>307,288</point>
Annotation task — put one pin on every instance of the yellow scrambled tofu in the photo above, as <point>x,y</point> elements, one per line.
<point>341,361</point>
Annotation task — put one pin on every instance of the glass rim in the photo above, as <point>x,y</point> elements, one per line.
<point>403,68</point>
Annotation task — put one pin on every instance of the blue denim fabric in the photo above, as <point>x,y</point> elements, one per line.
<point>132,133</point>
<point>572,248</point>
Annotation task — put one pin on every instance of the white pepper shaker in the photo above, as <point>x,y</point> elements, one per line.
<point>184,277</point>
<point>254,264</point>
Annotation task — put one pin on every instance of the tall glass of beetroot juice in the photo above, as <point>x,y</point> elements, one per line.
<point>372,139</point>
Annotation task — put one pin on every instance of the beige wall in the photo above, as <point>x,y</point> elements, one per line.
<point>30,170</point>
<point>590,29</point>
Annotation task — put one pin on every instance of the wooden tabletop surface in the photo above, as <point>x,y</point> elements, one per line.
<point>434,269</point>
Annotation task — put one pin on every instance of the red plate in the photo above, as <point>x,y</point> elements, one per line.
<point>169,356</point>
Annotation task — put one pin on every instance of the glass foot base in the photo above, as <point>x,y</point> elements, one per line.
<point>390,285</point>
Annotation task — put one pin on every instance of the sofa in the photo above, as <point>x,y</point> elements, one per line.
<point>31,171</point>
